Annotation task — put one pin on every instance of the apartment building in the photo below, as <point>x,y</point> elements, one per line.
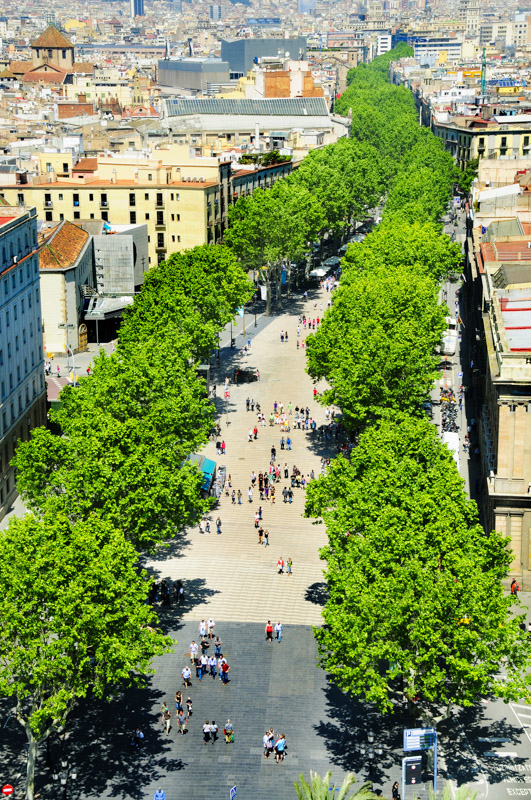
<point>182,198</point>
<point>22,385</point>
<point>467,137</point>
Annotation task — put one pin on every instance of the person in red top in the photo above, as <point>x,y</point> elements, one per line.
<point>314,392</point>
<point>280,566</point>
<point>225,673</point>
<point>269,631</point>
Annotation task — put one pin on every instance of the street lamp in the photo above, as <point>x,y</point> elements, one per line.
<point>66,326</point>
<point>64,775</point>
<point>370,750</point>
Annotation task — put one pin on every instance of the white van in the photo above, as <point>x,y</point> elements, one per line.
<point>449,341</point>
<point>451,440</point>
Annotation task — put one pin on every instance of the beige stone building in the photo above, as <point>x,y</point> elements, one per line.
<point>182,198</point>
<point>500,272</point>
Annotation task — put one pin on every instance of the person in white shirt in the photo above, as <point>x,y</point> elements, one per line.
<point>212,661</point>
<point>186,673</point>
<point>202,628</point>
<point>194,649</point>
<point>214,731</point>
<point>278,632</point>
<point>211,625</point>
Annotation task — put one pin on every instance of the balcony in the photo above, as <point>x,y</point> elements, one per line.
<point>48,204</point>
<point>104,204</point>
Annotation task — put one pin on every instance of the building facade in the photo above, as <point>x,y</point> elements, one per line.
<point>22,385</point>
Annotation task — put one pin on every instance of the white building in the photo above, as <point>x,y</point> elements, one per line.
<point>22,385</point>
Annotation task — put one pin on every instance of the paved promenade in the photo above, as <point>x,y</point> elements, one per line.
<point>241,576</point>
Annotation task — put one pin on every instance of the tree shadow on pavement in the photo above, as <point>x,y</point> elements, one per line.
<point>317,593</point>
<point>465,754</point>
<point>97,746</point>
<point>346,730</point>
<point>195,593</point>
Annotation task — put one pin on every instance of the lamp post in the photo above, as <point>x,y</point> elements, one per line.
<point>63,775</point>
<point>370,750</point>
<point>66,326</point>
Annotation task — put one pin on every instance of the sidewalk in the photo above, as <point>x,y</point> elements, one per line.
<point>241,576</point>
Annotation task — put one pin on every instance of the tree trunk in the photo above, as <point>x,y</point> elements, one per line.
<point>268,298</point>
<point>30,769</point>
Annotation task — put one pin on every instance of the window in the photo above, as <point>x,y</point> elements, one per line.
<point>48,200</point>
<point>173,217</point>
<point>150,176</point>
<point>60,196</point>
<point>160,240</point>
<point>16,344</point>
<point>31,330</point>
<point>77,215</point>
<point>171,196</point>
<point>132,199</point>
<point>1,358</point>
<point>92,216</point>
<point>50,53</point>
<point>146,196</point>
<point>22,306</point>
<point>147,216</point>
<point>526,141</point>
<point>160,217</point>
<point>178,238</point>
<point>159,201</point>
<point>173,238</point>
<point>178,217</point>
<point>7,319</point>
<point>104,202</point>
<point>48,216</point>
<point>91,198</point>
<point>75,198</point>
<point>20,199</point>
<point>177,196</point>
<point>62,216</point>
<point>132,217</point>
<point>49,167</point>
<point>65,167</point>
<point>104,216</point>
<point>63,53</point>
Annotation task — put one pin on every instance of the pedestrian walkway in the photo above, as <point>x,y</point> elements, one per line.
<point>239,574</point>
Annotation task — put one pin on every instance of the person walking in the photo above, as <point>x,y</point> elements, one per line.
<point>187,677</point>
<point>210,628</point>
<point>194,650</point>
<point>256,520</point>
<point>206,732</point>
<point>288,443</point>
<point>178,701</point>
<point>260,535</point>
<point>239,497</point>
<point>269,632</point>
<point>233,497</point>
<point>166,719</point>
<point>189,707</point>
<point>285,494</point>
<point>250,435</point>
<point>289,566</point>
<point>514,588</point>
<point>280,566</point>
<point>159,794</point>
<point>212,661</point>
<point>247,404</point>
<point>278,631</point>
<point>290,495</point>
<point>280,748</point>
<point>250,494</point>
<point>225,673</point>
<point>266,538</point>
<point>181,720</point>
<point>204,665</point>
<point>217,646</point>
<point>202,628</point>
<point>214,731</point>
<point>395,791</point>
<point>228,730</point>
<point>268,741</point>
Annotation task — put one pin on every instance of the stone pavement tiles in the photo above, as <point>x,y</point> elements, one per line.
<point>237,573</point>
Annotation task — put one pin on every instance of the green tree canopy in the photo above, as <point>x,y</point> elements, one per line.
<point>127,431</point>
<point>196,291</point>
<point>376,345</point>
<point>74,620</point>
<point>416,607</point>
<point>396,243</point>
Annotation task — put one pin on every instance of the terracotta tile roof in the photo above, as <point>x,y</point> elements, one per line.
<point>82,67</point>
<point>57,76</point>
<point>6,74</point>
<point>63,248</point>
<point>20,67</point>
<point>52,38</point>
<point>86,165</point>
